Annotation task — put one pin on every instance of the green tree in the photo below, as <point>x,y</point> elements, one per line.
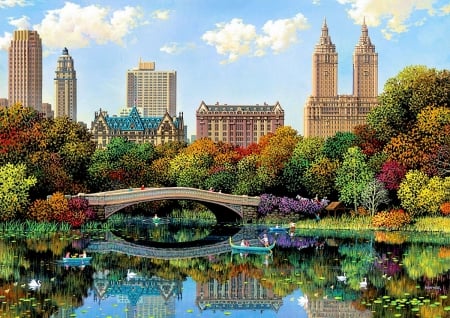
<point>336,146</point>
<point>14,190</point>
<point>353,176</point>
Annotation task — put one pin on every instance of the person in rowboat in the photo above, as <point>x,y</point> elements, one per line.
<point>265,240</point>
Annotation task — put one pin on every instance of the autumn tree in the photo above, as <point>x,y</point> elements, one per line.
<point>14,190</point>
<point>405,96</point>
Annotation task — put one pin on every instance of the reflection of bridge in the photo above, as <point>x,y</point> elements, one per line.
<point>116,244</point>
<point>226,207</point>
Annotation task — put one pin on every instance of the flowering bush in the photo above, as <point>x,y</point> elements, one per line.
<point>267,204</point>
<point>393,219</point>
<point>286,205</point>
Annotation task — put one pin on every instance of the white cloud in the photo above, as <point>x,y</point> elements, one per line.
<point>395,15</point>
<point>13,3</point>
<point>5,41</point>
<point>176,48</point>
<point>161,14</point>
<point>281,34</point>
<point>75,26</point>
<point>236,39</point>
<point>22,23</point>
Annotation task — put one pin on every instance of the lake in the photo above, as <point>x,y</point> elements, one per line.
<point>171,269</point>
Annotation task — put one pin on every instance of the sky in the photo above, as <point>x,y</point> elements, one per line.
<point>227,51</point>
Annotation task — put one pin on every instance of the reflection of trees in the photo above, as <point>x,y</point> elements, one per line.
<point>420,261</point>
<point>357,262</point>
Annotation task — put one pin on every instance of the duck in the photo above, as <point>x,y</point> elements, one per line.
<point>303,301</point>
<point>34,284</point>
<point>341,278</point>
<point>363,284</point>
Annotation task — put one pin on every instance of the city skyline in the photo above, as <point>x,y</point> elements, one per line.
<point>231,52</point>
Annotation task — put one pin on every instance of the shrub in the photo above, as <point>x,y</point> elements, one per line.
<point>445,208</point>
<point>392,220</point>
<point>40,210</point>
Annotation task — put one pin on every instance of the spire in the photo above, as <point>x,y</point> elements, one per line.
<point>325,39</point>
<point>364,39</point>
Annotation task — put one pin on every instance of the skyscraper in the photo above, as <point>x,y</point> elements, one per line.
<point>65,87</point>
<point>152,92</point>
<point>326,112</point>
<point>25,69</point>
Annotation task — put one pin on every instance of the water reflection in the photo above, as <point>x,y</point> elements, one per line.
<point>303,277</point>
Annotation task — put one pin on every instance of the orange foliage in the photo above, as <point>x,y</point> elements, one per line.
<point>393,219</point>
<point>445,208</point>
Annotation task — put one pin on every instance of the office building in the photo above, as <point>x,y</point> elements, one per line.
<point>240,125</point>
<point>65,82</point>
<point>326,112</point>
<point>25,69</point>
<point>154,93</point>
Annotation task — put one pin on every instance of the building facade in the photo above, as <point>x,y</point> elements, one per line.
<point>25,69</point>
<point>154,93</point>
<point>240,125</point>
<point>65,82</point>
<point>137,128</point>
<point>326,112</point>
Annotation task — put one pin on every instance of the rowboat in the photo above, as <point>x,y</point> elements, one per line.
<point>75,261</point>
<point>251,249</point>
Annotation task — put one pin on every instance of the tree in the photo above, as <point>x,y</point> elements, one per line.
<point>320,177</point>
<point>409,190</point>
<point>405,96</point>
<point>391,174</point>
<point>353,176</point>
<point>14,188</point>
<point>374,195</point>
<point>336,146</point>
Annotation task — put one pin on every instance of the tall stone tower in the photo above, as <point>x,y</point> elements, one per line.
<point>326,112</point>
<point>65,82</point>
<point>25,69</point>
<point>325,66</point>
<point>365,66</point>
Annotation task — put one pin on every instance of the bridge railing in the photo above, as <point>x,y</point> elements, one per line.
<point>137,194</point>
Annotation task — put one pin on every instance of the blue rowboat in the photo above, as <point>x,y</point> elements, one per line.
<point>251,249</point>
<point>76,261</point>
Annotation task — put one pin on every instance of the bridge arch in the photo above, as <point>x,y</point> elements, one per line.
<point>226,207</point>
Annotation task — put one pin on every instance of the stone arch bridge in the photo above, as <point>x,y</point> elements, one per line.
<point>226,207</point>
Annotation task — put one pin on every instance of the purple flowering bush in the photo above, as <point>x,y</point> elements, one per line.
<point>268,203</point>
<point>286,205</point>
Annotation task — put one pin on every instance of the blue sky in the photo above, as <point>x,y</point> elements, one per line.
<point>227,51</point>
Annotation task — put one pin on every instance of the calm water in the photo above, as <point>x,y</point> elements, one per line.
<point>173,270</point>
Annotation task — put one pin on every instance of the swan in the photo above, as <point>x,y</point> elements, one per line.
<point>131,275</point>
<point>34,284</point>
<point>303,301</point>
<point>341,278</point>
<point>363,284</point>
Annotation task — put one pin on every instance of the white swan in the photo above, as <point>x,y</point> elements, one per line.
<point>34,284</point>
<point>363,284</point>
<point>303,301</point>
<point>131,275</point>
<point>341,278</point>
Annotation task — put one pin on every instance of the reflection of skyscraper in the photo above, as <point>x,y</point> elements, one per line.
<point>240,292</point>
<point>335,308</point>
<point>25,69</point>
<point>65,87</point>
<point>152,92</point>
